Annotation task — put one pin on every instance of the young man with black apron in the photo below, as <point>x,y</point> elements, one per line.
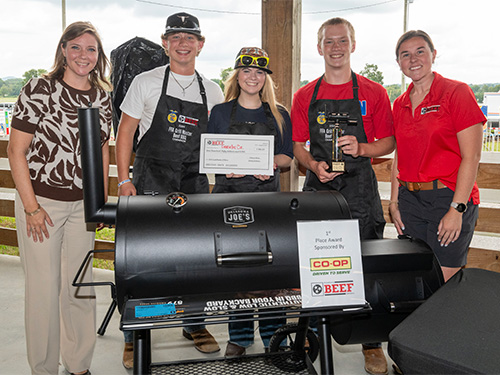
<point>170,106</point>
<point>340,90</point>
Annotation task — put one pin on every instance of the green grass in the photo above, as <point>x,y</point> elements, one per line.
<point>107,234</point>
<point>8,99</point>
<point>487,146</point>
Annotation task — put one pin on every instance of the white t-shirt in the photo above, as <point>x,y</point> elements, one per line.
<point>142,97</point>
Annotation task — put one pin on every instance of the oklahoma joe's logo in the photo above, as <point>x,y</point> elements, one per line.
<point>238,215</point>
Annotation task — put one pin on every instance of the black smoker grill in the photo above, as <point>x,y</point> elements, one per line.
<point>233,243</point>
<point>216,243</point>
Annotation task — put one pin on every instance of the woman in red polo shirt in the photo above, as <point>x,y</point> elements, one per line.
<point>438,130</point>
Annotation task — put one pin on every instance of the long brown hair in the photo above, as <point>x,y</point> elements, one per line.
<point>97,76</point>
<point>232,91</point>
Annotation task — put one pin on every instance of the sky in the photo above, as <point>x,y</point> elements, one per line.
<point>465,32</point>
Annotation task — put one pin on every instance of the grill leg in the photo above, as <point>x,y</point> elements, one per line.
<point>107,318</point>
<point>300,338</point>
<point>142,352</point>
<point>325,348</point>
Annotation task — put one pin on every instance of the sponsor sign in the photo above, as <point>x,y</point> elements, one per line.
<point>331,271</point>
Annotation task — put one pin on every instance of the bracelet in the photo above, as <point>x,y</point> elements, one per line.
<point>123,182</point>
<point>395,202</point>
<point>34,212</point>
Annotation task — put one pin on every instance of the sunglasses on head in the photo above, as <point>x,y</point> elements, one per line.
<point>247,60</point>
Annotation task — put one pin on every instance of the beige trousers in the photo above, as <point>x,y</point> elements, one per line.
<point>60,319</point>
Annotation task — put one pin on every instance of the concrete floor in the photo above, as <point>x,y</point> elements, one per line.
<point>167,344</point>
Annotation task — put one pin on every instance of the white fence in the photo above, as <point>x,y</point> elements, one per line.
<point>491,139</point>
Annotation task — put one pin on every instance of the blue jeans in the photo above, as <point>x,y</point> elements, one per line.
<point>242,333</point>
<point>129,335</point>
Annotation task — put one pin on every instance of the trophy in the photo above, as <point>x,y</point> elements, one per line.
<point>336,120</point>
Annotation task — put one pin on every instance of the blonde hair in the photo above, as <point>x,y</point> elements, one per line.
<point>232,91</point>
<point>336,21</point>
<point>97,76</point>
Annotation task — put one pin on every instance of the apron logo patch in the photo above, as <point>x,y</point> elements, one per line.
<point>172,117</point>
<point>432,108</point>
<point>188,120</point>
<point>321,119</point>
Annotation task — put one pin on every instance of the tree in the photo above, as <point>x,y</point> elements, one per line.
<point>393,91</point>
<point>371,71</point>
<point>4,91</point>
<point>480,89</point>
<point>33,73</point>
<point>224,75</point>
<point>11,87</point>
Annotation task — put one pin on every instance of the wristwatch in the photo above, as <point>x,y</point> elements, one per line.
<point>460,207</point>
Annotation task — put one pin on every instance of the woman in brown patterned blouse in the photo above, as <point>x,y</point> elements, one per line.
<point>44,156</point>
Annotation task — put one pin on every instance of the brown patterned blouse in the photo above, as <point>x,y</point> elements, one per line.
<point>48,110</point>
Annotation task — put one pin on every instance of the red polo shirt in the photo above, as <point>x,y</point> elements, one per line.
<point>427,142</point>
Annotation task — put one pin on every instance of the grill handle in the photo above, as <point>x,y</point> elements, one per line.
<point>94,283</point>
<point>244,258</point>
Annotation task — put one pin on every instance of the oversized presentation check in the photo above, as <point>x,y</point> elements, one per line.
<point>237,153</point>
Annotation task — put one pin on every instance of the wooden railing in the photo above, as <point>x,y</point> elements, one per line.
<point>488,222</point>
<point>8,236</point>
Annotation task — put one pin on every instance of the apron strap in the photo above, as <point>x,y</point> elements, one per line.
<point>203,92</point>
<point>316,88</point>
<point>355,86</point>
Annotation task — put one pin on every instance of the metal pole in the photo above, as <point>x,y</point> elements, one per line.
<point>63,14</point>
<point>405,22</point>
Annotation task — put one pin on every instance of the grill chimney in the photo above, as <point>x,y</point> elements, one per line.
<point>96,209</point>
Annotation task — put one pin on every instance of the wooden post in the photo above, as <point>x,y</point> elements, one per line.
<point>63,5</point>
<point>281,31</point>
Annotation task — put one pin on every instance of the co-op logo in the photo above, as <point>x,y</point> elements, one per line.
<point>238,215</point>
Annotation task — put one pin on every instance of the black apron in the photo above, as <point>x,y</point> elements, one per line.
<point>249,183</point>
<point>168,155</point>
<point>359,185</point>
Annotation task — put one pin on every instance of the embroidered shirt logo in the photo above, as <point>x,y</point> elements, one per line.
<point>432,108</point>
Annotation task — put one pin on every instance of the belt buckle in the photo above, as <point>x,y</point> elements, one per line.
<point>414,186</point>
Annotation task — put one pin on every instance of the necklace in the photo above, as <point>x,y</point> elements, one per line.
<point>183,88</point>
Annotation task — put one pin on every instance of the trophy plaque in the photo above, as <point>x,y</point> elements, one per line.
<point>338,163</point>
<point>336,121</point>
